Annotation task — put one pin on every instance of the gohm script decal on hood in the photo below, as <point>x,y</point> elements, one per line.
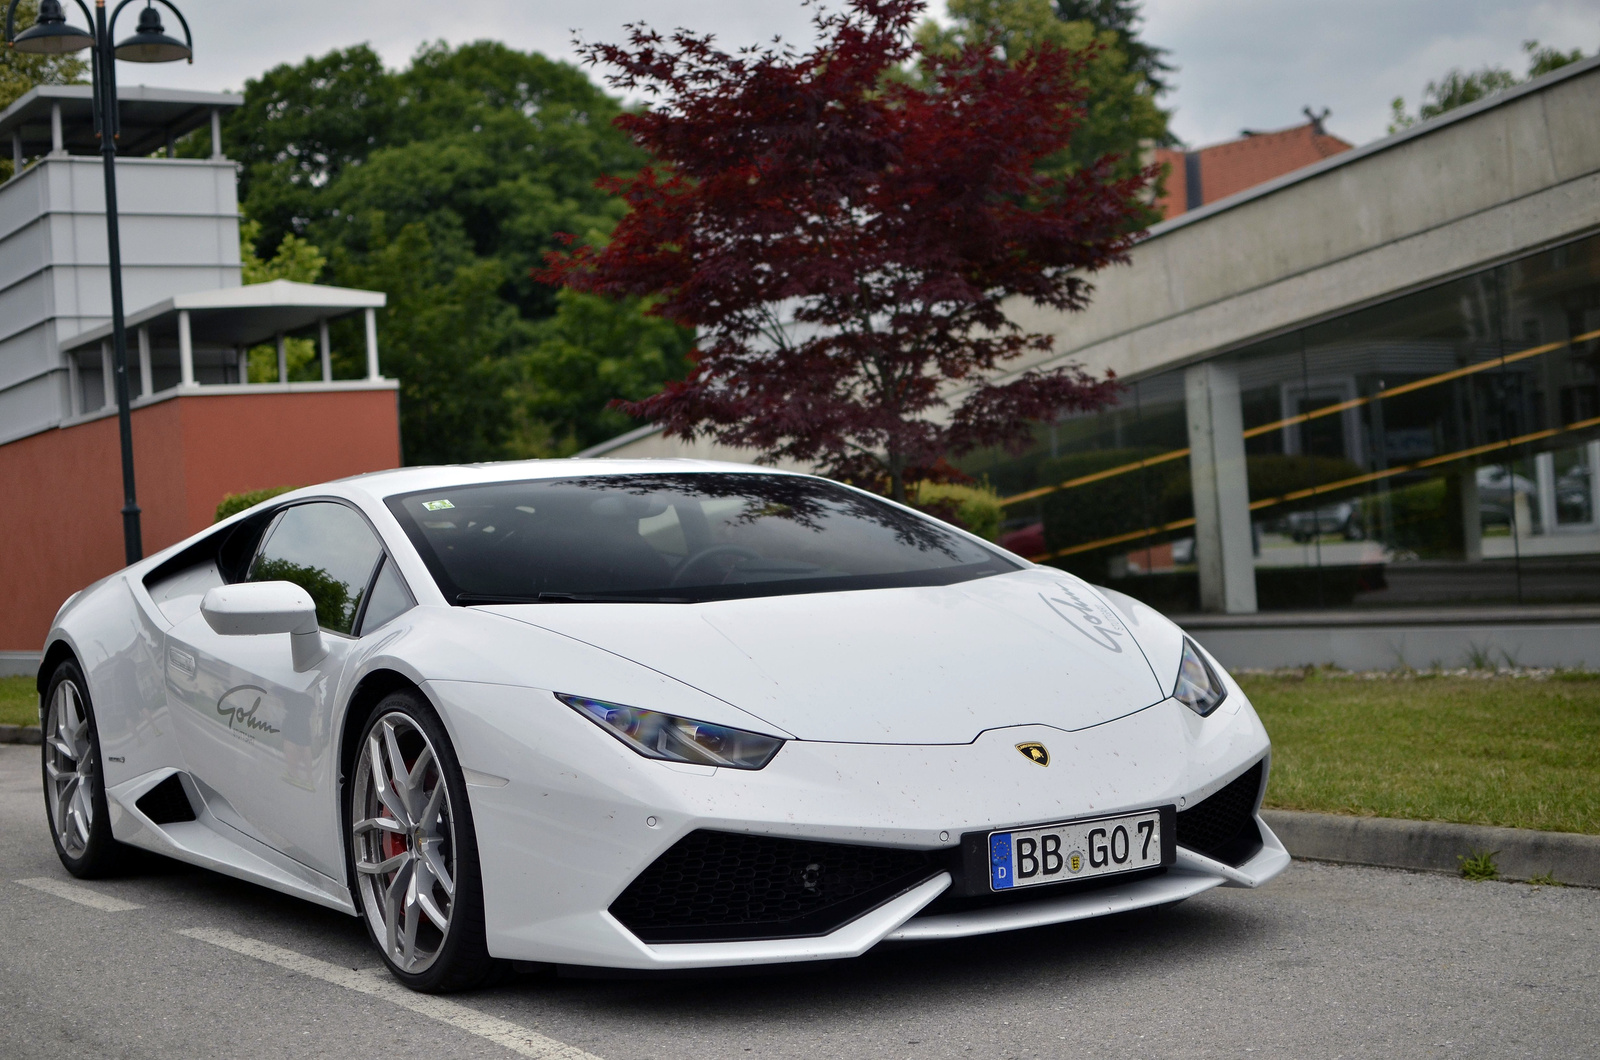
<point>1089,617</point>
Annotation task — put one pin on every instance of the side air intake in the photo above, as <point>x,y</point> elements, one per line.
<point>167,802</point>
<point>1222,826</point>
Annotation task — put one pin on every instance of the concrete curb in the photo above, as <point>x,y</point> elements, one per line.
<point>19,734</point>
<point>1433,846</point>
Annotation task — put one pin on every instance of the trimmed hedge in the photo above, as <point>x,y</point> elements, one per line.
<point>234,503</point>
<point>974,508</point>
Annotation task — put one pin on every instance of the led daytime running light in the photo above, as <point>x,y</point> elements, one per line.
<point>672,739</point>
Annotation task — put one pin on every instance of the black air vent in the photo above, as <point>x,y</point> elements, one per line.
<point>167,802</point>
<point>1223,825</point>
<point>717,886</point>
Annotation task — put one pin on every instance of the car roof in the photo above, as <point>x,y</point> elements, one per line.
<point>379,485</point>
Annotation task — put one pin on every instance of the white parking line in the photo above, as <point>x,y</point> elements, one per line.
<point>82,895</point>
<point>376,983</point>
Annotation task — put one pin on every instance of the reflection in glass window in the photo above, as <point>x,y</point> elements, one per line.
<point>677,538</point>
<point>1441,447</point>
<point>389,600</point>
<point>329,551</point>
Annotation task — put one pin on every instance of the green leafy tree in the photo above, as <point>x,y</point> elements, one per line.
<point>1122,18</point>
<point>1121,116</point>
<point>444,184</point>
<point>20,71</point>
<point>591,352</point>
<point>297,260</point>
<point>1457,88</point>
<point>448,337</point>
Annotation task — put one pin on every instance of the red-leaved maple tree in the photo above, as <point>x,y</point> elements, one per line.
<point>844,240</point>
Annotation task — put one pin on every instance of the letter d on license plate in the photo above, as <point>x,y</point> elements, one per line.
<point>1077,850</point>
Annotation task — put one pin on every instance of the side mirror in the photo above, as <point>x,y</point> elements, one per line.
<point>252,608</point>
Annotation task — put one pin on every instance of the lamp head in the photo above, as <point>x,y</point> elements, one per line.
<point>50,34</point>
<point>150,43</point>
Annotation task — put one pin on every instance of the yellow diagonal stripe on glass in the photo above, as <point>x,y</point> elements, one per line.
<point>1315,414</point>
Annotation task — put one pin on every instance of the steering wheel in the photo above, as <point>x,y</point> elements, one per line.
<point>708,553</point>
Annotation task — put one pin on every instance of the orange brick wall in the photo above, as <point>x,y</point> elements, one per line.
<point>61,490</point>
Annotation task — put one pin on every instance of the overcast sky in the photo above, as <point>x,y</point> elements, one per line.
<point>1241,63</point>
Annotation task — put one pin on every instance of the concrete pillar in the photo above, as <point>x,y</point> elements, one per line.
<point>1471,517</point>
<point>372,345</point>
<point>1222,537</point>
<point>58,144</point>
<point>172,145</point>
<point>327,351</point>
<point>74,386</point>
<point>1544,474</point>
<point>244,364</point>
<point>108,384</point>
<point>216,132</point>
<point>1592,454</point>
<point>185,350</point>
<point>146,386</point>
<point>283,360</point>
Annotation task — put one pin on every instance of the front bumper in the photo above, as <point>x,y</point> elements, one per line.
<point>579,817</point>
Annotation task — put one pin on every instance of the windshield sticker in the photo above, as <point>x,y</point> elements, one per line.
<point>1093,620</point>
<point>436,506</point>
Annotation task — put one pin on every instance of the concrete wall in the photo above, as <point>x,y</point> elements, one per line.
<point>1478,185</point>
<point>61,526</point>
<point>1560,638</point>
<point>180,233</point>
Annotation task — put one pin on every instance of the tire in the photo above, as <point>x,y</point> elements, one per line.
<point>416,831</point>
<point>74,785</point>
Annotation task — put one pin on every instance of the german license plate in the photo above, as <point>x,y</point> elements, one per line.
<point>1077,850</point>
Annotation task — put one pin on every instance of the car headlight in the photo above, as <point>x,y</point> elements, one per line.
<point>1198,688</point>
<point>674,739</point>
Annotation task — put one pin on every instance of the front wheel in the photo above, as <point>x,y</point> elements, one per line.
<point>413,854</point>
<point>74,787</point>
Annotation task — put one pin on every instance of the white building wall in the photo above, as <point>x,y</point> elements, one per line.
<point>179,223</point>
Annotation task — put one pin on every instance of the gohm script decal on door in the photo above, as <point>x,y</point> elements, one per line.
<point>251,711</point>
<point>1089,617</point>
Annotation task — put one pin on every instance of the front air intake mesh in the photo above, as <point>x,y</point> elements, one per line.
<point>718,886</point>
<point>1223,825</point>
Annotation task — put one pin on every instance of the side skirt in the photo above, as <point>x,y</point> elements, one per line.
<point>212,844</point>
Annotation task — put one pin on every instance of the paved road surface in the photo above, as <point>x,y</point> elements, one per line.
<point>1325,962</point>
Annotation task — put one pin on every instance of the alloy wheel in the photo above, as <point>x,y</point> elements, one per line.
<point>403,833</point>
<point>69,764</point>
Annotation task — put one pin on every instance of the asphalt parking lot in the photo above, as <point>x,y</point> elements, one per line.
<point>1327,961</point>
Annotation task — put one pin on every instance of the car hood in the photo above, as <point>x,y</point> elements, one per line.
<point>925,665</point>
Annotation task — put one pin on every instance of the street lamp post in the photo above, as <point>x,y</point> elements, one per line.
<point>51,34</point>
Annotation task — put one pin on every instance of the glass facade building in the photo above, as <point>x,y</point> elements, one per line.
<point>1440,448</point>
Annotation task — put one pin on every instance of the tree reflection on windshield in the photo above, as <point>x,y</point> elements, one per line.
<point>677,537</point>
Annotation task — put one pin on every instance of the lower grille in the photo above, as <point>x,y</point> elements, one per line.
<point>721,886</point>
<point>1222,826</point>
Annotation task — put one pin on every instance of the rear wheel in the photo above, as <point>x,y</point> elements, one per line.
<point>74,787</point>
<point>413,854</point>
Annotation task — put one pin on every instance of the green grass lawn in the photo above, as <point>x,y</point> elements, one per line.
<point>1517,751</point>
<point>19,702</point>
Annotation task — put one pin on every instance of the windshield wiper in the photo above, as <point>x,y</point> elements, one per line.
<point>468,599</point>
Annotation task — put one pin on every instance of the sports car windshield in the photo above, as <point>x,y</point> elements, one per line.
<point>676,538</point>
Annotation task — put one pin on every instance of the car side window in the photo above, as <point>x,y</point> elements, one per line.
<point>389,600</point>
<point>329,551</point>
